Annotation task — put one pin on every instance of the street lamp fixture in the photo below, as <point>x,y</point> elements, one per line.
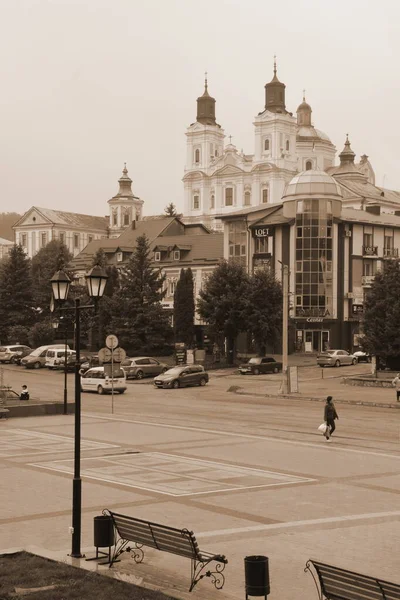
<point>96,281</point>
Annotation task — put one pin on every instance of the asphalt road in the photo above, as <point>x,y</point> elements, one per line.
<point>249,474</point>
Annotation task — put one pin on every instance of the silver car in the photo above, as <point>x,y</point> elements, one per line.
<point>143,366</point>
<point>336,358</point>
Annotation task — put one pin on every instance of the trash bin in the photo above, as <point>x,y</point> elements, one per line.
<point>256,576</point>
<point>103,532</point>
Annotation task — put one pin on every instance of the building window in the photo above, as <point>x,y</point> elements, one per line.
<point>61,237</point>
<point>238,242</point>
<point>120,256</point>
<point>172,287</point>
<point>196,202</point>
<point>313,260</point>
<point>228,196</point>
<point>368,239</point>
<point>261,245</point>
<point>212,201</point>
<point>43,240</point>
<point>287,145</point>
<point>216,152</point>
<point>23,240</point>
<point>266,144</point>
<point>247,198</point>
<point>90,239</point>
<point>114,217</point>
<point>76,240</point>
<point>177,255</point>
<point>369,267</point>
<point>265,195</point>
<point>308,165</point>
<point>157,256</point>
<point>197,156</point>
<point>126,216</point>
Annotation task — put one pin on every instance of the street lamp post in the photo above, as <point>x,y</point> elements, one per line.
<point>55,326</point>
<point>96,281</point>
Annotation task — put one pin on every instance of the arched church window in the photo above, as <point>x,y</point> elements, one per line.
<point>212,201</point>
<point>287,145</point>
<point>197,156</point>
<point>196,202</point>
<point>265,195</point>
<point>266,144</point>
<point>228,196</point>
<point>115,217</point>
<point>308,165</point>
<point>247,198</point>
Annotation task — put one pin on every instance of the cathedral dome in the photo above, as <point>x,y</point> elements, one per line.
<point>312,183</point>
<point>305,132</point>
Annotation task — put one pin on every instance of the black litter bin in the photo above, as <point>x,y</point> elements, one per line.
<point>256,576</point>
<point>104,537</point>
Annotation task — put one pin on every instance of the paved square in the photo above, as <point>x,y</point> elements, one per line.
<point>21,442</point>
<point>173,475</point>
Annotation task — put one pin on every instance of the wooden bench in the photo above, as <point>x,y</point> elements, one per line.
<point>182,542</point>
<point>339,584</point>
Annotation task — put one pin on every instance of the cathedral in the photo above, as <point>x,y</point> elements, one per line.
<point>219,179</point>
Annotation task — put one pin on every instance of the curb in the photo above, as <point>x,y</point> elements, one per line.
<point>237,390</point>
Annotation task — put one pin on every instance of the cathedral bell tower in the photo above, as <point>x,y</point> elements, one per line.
<point>275,95</point>
<point>204,146</point>
<point>125,207</point>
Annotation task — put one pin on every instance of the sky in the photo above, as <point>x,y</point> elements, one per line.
<point>87,85</point>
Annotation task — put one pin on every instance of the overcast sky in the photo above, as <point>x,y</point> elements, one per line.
<point>89,84</point>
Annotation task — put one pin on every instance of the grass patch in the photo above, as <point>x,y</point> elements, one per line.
<point>25,571</point>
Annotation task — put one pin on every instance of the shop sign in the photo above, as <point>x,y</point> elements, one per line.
<point>314,319</point>
<point>315,313</point>
<point>262,232</point>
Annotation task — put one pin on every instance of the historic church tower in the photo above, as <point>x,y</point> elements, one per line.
<point>124,206</point>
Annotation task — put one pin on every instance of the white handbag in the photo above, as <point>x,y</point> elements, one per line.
<point>323,427</point>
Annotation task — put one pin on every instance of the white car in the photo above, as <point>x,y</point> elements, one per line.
<point>97,380</point>
<point>335,358</point>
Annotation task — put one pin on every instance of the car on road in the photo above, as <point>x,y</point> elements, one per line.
<point>13,354</point>
<point>183,376</point>
<point>261,364</point>
<point>55,356</point>
<point>71,362</point>
<point>143,366</point>
<point>37,358</point>
<point>89,363</point>
<point>97,380</point>
<point>336,358</point>
<point>362,356</point>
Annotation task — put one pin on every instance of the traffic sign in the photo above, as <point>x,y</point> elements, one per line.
<point>105,355</point>
<point>118,355</point>
<point>111,341</point>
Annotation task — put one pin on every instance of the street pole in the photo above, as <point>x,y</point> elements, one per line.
<point>285,316</point>
<point>65,372</point>
<point>77,482</point>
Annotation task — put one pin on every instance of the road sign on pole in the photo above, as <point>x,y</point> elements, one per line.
<point>112,341</point>
<point>119,355</point>
<point>105,355</point>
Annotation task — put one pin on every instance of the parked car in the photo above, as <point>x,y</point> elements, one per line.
<point>142,366</point>
<point>262,364</point>
<point>54,356</point>
<point>182,376</point>
<point>37,358</point>
<point>71,361</point>
<point>336,358</point>
<point>13,354</point>
<point>97,380</point>
<point>362,356</point>
<point>89,363</point>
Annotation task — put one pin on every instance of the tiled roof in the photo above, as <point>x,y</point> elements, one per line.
<point>365,190</point>
<point>70,219</point>
<point>362,216</point>
<point>208,247</point>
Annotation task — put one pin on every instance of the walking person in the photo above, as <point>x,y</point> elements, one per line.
<point>330,415</point>
<point>396,384</point>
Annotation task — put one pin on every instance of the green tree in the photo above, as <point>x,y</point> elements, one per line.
<point>170,210</point>
<point>16,302</point>
<point>184,308</point>
<point>51,258</point>
<point>102,320</point>
<point>381,320</point>
<point>18,334</point>
<point>222,303</point>
<point>139,320</point>
<point>264,310</point>
<point>41,334</point>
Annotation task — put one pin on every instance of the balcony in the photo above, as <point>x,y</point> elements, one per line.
<point>366,280</point>
<point>390,253</point>
<point>370,251</point>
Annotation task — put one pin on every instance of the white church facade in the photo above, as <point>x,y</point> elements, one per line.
<point>219,179</point>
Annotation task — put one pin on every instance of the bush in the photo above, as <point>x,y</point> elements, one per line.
<point>18,334</point>
<point>41,334</point>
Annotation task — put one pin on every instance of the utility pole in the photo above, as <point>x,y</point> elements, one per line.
<point>285,316</point>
